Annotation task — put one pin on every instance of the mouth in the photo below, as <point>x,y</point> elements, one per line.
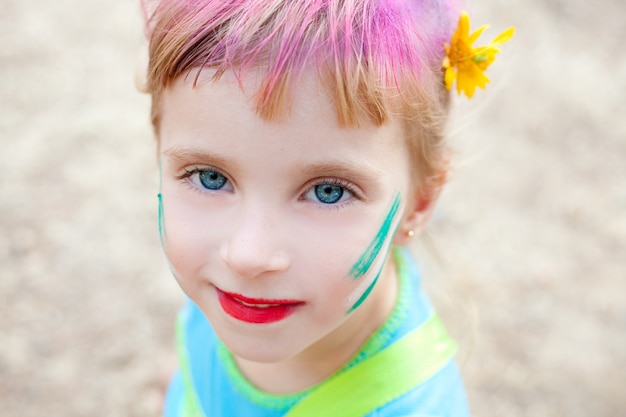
<point>256,310</point>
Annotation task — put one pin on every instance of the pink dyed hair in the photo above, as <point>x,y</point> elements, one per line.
<point>377,58</point>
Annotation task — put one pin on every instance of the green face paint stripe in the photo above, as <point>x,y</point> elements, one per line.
<point>366,293</point>
<point>367,258</point>
<point>161,221</point>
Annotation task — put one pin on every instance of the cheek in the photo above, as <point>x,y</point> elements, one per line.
<point>322,254</point>
<point>369,267</point>
<point>341,293</point>
<point>376,246</point>
<point>338,282</point>
<point>363,291</point>
<point>188,234</point>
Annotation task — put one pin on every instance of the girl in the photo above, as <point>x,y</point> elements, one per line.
<point>300,146</point>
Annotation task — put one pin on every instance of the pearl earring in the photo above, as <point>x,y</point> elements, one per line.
<point>410,233</point>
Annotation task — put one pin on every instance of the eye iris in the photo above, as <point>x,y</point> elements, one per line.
<point>212,180</point>
<point>328,193</point>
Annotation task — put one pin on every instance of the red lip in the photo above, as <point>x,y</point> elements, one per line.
<point>256,310</point>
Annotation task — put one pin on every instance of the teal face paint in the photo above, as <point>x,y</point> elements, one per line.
<point>162,233</point>
<point>365,261</point>
<point>161,221</point>
<point>367,292</point>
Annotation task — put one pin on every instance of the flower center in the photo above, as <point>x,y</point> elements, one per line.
<point>460,53</point>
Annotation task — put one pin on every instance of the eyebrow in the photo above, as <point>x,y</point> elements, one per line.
<point>193,155</point>
<point>355,172</point>
<point>358,173</point>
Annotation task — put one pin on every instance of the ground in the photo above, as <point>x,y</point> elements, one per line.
<point>525,257</point>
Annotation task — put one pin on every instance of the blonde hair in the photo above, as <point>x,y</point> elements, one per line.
<point>377,59</point>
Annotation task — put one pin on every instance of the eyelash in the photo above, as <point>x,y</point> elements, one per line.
<point>197,170</point>
<point>347,186</point>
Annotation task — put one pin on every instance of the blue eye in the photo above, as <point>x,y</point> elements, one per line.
<point>328,193</point>
<point>331,192</point>
<point>212,180</point>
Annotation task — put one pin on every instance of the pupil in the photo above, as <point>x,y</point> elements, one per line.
<point>328,194</point>
<point>212,180</point>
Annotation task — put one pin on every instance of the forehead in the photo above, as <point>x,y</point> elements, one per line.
<point>231,99</point>
<point>219,115</point>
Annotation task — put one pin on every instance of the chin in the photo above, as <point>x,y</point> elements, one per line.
<point>259,351</point>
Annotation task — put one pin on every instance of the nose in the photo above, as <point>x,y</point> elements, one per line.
<point>253,249</point>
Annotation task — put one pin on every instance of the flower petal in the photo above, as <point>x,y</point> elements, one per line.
<point>471,77</point>
<point>477,34</point>
<point>503,37</point>
<point>464,86</point>
<point>464,25</point>
<point>450,76</point>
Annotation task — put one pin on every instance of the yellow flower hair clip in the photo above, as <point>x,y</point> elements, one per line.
<point>467,64</point>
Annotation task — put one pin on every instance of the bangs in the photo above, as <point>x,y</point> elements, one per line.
<point>375,58</point>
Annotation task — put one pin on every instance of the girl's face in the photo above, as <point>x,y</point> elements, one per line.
<point>280,231</point>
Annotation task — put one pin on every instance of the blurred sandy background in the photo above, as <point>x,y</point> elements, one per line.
<point>526,258</point>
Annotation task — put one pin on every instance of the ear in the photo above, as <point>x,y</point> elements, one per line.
<point>419,209</point>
